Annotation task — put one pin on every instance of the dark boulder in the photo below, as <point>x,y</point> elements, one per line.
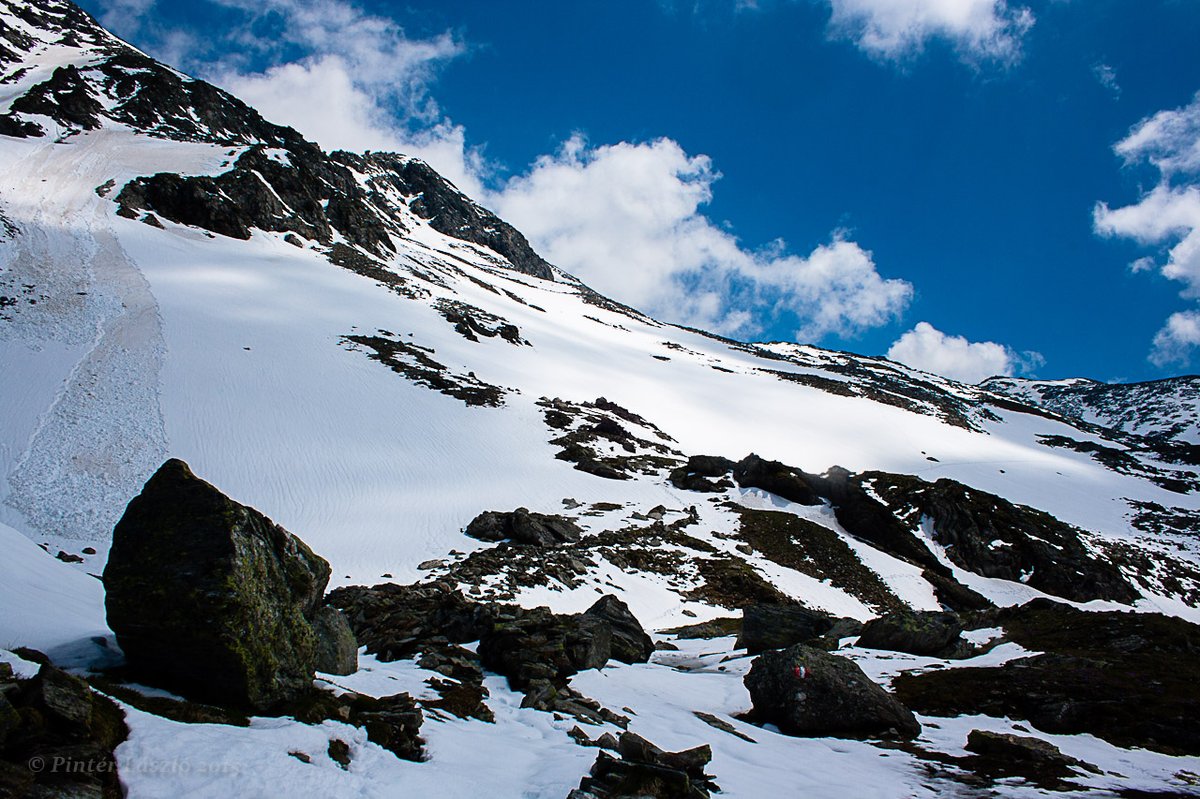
<point>807,692</point>
<point>998,755</point>
<point>703,473</point>
<point>393,722</point>
<point>395,622</point>
<point>647,772</point>
<point>523,527</point>
<point>777,478</point>
<point>58,719</point>
<point>209,597</point>
<point>537,644</point>
<point>780,626</point>
<point>630,643</point>
<point>917,633</point>
<point>337,648</point>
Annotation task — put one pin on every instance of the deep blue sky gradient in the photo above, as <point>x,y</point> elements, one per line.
<point>976,184</point>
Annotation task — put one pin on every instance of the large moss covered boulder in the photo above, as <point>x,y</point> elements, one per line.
<point>211,598</point>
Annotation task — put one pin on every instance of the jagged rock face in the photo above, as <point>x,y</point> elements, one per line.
<point>808,692</point>
<point>447,209</point>
<point>211,598</point>
<point>1128,678</point>
<point>917,633</point>
<point>304,191</point>
<point>991,536</point>
<point>58,718</point>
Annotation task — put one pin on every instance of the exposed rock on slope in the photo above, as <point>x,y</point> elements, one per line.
<point>991,536</point>
<point>647,772</point>
<point>1128,678</point>
<point>522,527</point>
<point>211,598</point>
<point>57,737</point>
<point>805,691</point>
<point>930,634</point>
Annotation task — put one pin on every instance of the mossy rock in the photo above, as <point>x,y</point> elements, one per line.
<point>209,597</point>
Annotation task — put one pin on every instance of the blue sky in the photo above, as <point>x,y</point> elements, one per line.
<point>937,179</point>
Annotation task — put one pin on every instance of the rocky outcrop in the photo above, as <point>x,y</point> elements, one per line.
<point>773,476</point>
<point>767,627</point>
<point>210,598</point>
<point>537,645</point>
<point>630,643</point>
<point>1125,677</point>
<point>393,722</point>
<point>521,526</point>
<point>57,737</point>
<point>998,755</point>
<point>917,633</point>
<point>447,209</point>
<point>807,692</point>
<point>706,473</point>
<point>647,772</point>
<point>536,650</point>
<point>991,536</point>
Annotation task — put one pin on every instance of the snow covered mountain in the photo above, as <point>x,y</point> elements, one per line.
<point>352,346</point>
<point>1162,410</point>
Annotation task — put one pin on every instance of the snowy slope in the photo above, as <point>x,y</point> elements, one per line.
<point>374,391</point>
<point>1159,409</point>
<point>128,341</point>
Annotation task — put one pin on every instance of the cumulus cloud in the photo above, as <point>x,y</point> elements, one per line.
<point>627,219</point>
<point>897,29</point>
<point>930,350</point>
<point>1167,217</point>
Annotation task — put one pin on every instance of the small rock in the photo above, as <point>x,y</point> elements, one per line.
<point>339,752</point>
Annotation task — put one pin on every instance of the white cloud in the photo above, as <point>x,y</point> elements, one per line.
<point>1106,76</point>
<point>896,29</point>
<point>1169,139</point>
<point>930,350</point>
<point>626,219</point>
<point>1166,217</point>
<point>1174,343</point>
